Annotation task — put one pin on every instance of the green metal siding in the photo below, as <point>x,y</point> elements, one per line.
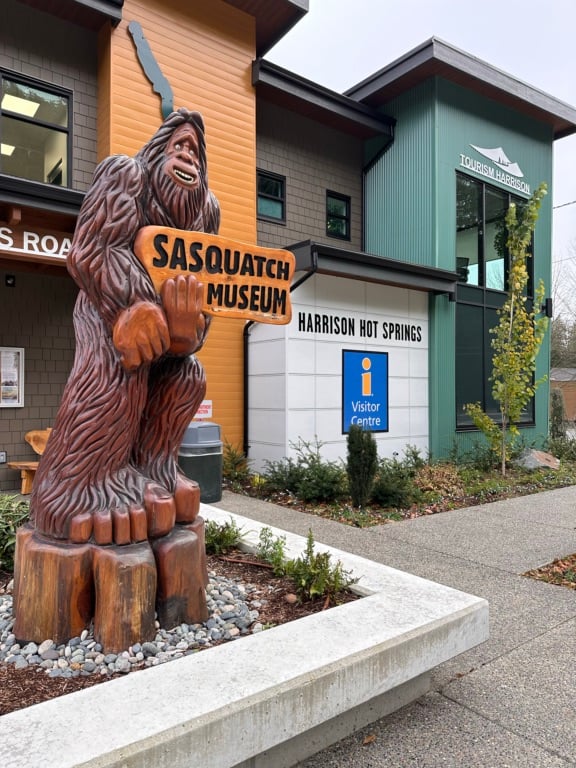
<point>399,189</point>
<point>410,197</point>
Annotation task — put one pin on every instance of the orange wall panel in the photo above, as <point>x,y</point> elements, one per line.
<point>205,49</point>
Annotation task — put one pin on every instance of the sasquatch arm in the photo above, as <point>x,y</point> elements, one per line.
<point>101,259</point>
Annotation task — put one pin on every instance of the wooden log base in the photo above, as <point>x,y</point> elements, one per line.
<point>197,527</point>
<point>181,566</point>
<point>125,587</point>
<point>60,587</point>
<point>53,588</point>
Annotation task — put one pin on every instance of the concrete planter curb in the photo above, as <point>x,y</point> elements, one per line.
<point>270,699</point>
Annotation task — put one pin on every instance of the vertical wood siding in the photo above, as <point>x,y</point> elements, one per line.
<point>205,49</point>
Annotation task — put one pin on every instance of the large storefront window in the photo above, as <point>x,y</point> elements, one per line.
<point>482,266</point>
<point>34,131</point>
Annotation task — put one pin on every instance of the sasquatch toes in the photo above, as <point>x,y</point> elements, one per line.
<point>187,498</point>
<point>138,524</point>
<point>160,510</point>
<point>121,525</point>
<point>103,530</point>
<point>80,528</point>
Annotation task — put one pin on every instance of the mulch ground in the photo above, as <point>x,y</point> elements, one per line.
<point>22,688</point>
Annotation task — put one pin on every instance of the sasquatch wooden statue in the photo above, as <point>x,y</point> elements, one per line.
<point>109,477</point>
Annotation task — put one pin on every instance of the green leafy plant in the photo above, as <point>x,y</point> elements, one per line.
<point>557,414</point>
<point>221,538</point>
<point>272,549</point>
<point>308,476</point>
<point>516,339</point>
<point>314,574</point>
<point>235,465</point>
<point>361,465</point>
<point>394,484</point>
<point>13,513</point>
<point>564,448</point>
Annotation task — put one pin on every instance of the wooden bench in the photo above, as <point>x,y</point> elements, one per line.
<point>37,438</point>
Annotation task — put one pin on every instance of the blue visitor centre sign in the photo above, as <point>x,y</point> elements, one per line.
<point>365,390</point>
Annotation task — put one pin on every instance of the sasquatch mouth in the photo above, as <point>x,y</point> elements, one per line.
<point>185,178</point>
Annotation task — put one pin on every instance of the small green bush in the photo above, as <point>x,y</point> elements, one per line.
<point>309,477</point>
<point>272,549</point>
<point>315,576</point>
<point>282,475</point>
<point>394,484</point>
<point>361,465</point>
<point>557,414</point>
<point>221,538</point>
<point>235,465</point>
<point>13,513</point>
<point>564,448</point>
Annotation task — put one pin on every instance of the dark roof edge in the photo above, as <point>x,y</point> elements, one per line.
<point>266,73</point>
<point>273,19</point>
<point>112,9</point>
<point>449,55</point>
<point>327,259</point>
<point>47,197</point>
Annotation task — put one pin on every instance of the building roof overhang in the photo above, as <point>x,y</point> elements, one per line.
<point>44,204</point>
<point>273,18</point>
<point>85,13</point>
<point>319,258</point>
<point>436,58</point>
<point>284,88</point>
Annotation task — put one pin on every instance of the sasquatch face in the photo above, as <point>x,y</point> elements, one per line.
<point>182,163</point>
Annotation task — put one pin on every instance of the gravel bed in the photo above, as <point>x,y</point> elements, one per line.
<point>232,613</point>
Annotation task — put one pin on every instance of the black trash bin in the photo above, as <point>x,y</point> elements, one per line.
<point>200,458</point>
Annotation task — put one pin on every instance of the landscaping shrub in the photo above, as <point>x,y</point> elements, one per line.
<point>221,538</point>
<point>272,549</point>
<point>314,575</point>
<point>235,465</point>
<point>557,414</point>
<point>282,475</point>
<point>394,484</point>
<point>13,513</point>
<point>564,448</point>
<point>362,463</point>
<point>309,477</point>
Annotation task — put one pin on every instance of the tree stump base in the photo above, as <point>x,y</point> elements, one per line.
<point>180,564</point>
<point>59,588</point>
<point>53,588</point>
<point>125,595</point>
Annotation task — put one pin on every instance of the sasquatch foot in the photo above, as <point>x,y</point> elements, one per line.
<point>187,499</point>
<point>127,521</point>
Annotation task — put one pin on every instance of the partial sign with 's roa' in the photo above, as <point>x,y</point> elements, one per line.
<point>240,280</point>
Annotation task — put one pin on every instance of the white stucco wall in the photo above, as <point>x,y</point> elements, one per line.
<point>295,371</point>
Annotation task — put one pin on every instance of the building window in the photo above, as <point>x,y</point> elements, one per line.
<point>482,266</point>
<point>34,130</point>
<point>271,196</point>
<point>337,215</point>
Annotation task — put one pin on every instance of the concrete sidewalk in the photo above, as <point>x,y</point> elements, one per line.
<point>508,703</point>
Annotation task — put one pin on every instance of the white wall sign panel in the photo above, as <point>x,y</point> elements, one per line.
<point>331,315</point>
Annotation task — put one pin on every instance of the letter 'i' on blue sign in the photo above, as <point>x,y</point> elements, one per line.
<point>365,390</point>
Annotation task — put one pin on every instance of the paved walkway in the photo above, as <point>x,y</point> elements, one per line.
<point>511,702</point>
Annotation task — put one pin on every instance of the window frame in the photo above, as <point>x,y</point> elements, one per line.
<point>486,299</point>
<point>261,173</point>
<point>347,218</point>
<point>49,88</point>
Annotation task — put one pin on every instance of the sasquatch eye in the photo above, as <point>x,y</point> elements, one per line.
<point>177,147</point>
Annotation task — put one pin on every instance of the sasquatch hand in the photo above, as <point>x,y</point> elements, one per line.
<point>140,334</point>
<point>182,299</point>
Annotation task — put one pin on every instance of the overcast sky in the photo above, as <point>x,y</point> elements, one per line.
<point>340,42</point>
